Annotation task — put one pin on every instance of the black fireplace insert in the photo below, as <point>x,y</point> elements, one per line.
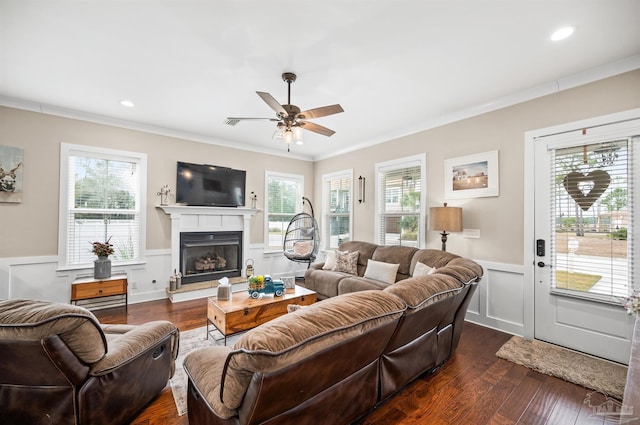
<point>210,255</point>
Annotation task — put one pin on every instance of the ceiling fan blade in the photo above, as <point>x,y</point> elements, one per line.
<point>316,128</point>
<point>235,120</point>
<point>273,103</point>
<point>323,111</point>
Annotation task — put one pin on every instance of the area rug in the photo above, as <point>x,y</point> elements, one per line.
<point>591,372</point>
<point>192,340</point>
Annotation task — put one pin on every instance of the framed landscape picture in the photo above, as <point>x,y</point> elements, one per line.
<point>11,164</point>
<point>472,176</point>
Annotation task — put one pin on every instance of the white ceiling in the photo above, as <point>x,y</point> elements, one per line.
<point>396,67</point>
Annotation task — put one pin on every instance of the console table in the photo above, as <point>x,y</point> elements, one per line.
<point>89,288</point>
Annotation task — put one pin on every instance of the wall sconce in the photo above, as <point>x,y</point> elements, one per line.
<point>445,218</point>
<point>361,189</point>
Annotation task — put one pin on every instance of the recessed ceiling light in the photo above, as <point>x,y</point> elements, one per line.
<point>127,103</point>
<point>562,33</point>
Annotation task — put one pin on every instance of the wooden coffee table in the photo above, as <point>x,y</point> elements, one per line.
<point>242,312</point>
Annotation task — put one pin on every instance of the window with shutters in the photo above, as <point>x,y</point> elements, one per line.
<point>593,213</point>
<point>102,197</point>
<point>284,200</point>
<point>399,214</point>
<point>337,190</point>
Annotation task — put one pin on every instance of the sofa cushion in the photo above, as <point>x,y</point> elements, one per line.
<point>366,250</point>
<point>346,262</point>
<point>421,269</point>
<point>357,283</point>
<point>293,337</point>
<point>432,257</point>
<point>419,292</point>
<point>396,255</point>
<point>30,320</point>
<point>384,272</point>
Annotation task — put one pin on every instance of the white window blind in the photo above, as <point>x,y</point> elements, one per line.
<point>593,212</point>
<point>284,200</point>
<point>102,201</point>
<point>337,205</point>
<point>398,204</point>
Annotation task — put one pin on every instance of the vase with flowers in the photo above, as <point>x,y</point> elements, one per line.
<point>102,266</point>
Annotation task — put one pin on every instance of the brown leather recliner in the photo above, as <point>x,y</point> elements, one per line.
<point>61,366</point>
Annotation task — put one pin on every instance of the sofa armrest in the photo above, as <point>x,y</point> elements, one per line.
<point>126,342</point>
<point>204,368</point>
<point>316,266</point>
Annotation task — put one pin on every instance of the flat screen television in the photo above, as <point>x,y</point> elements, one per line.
<point>210,185</point>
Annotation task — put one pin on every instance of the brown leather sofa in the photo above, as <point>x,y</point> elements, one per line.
<point>334,361</point>
<point>60,366</point>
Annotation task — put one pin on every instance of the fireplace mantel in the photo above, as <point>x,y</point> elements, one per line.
<point>179,210</point>
<point>207,219</point>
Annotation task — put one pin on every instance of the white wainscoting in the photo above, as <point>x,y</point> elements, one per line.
<point>498,302</point>
<point>38,278</point>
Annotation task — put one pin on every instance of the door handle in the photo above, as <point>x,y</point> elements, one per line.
<point>542,264</point>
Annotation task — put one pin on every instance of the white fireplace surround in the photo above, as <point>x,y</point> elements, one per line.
<point>207,219</point>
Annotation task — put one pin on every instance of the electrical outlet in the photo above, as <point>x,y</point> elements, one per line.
<point>471,233</point>
<point>134,285</point>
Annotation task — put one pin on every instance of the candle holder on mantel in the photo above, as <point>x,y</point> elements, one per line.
<point>164,194</point>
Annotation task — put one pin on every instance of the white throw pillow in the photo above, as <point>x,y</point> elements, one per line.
<point>384,272</point>
<point>330,261</point>
<point>422,269</point>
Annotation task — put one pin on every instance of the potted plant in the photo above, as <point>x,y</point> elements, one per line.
<point>102,266</point>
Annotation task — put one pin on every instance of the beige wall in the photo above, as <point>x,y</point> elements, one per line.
<point>30,228</point>
<point>500,219</point>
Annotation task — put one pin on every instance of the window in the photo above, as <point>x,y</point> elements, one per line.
<point>284,200</point>
<point>399,216</point>
<point>102,197</point>
<point>592,210</point>
<point>337,189</point>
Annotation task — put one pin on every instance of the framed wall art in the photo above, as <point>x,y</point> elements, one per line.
<point>11,165</point>
<point>472,176</point>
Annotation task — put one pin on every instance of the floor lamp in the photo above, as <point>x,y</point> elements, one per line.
<point>445,219</point>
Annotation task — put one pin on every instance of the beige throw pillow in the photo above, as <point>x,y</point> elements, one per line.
<point>422,269</point>
<point>346,262</point>
<point>379,270</point>
<point>302,247</point>
<point>330,261</point>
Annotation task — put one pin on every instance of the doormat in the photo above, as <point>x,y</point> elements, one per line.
<point>190,341</point>
<point>591,372</point>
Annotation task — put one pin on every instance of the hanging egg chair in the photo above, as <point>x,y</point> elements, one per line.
<point>301,240</point>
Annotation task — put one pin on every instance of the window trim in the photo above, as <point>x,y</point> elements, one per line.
<point>395,164</point>
<point>66,150</point>
<point>348,173</point>
<point>267,175</point>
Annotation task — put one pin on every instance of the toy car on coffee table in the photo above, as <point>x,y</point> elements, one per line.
<point>265,285</point>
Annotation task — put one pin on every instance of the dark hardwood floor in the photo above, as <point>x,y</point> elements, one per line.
<point>474,387</point>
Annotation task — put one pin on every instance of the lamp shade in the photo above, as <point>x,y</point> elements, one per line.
<point>448,219</point>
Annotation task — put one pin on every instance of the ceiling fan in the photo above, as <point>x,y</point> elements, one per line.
<point>290,119</point>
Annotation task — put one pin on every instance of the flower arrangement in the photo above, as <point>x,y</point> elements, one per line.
<point>632,303</point>
<point>102,249</point>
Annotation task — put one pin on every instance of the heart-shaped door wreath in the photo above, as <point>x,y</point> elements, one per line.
<point>585,189</point>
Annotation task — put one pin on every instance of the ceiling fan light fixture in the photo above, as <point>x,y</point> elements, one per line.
<point>288,136</point>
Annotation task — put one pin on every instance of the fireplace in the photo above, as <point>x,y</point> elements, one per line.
<point>210,255</point>
<point>188,219</point>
